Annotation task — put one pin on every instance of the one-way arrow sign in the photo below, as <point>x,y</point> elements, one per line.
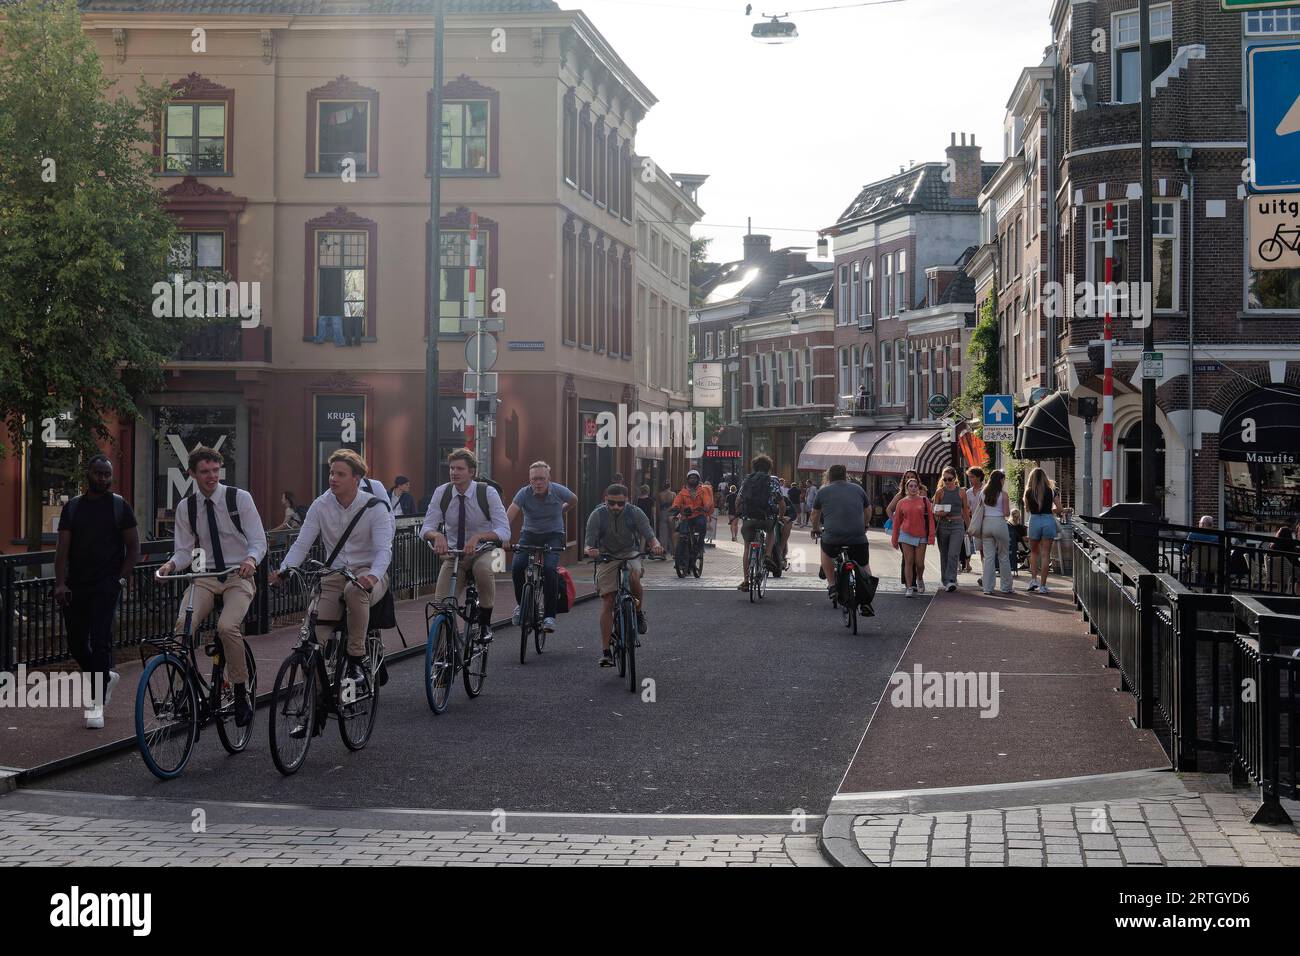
<point>999,418</point>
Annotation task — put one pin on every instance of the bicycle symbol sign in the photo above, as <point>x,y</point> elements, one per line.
<point>1275,231</point>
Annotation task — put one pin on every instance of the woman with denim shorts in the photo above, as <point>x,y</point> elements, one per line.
<point>914,529</point>
<point>1040,506</point>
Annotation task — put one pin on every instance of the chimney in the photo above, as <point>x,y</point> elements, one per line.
<point>965,171</point>
<point>756,245</point>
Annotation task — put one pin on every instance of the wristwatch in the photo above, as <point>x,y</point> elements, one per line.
<point>121,582</point>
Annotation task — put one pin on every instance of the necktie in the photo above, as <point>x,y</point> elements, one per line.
<point>460,524</point>
<point>217,557</point>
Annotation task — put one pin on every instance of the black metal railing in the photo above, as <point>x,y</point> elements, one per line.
<point>1214,675</point>
<point>31,625</point>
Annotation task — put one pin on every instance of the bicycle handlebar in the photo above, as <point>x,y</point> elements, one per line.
<point>191,575</point>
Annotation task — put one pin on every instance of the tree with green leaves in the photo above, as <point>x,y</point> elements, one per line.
<point>83,238</point>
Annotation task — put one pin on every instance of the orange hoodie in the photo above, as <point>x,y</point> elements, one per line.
<point>700,503</point>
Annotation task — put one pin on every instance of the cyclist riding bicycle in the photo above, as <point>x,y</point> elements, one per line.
<point>543,503</point>
<point>760,503</point>
<point>476,514</point>
<point>841,515</point>
<point>621,530</point>
<point>357,528</point>
<point>222,523</point>
<point>695,503</point>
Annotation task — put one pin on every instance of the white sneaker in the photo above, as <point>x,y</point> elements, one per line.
<point>113,678</point>
<point>95,718</point>
<point>910,592</point>
<point>548,625</point>
<point>1033,586</point>
<point>1044,589</point>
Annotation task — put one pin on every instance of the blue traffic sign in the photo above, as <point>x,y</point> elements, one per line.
<point>1273,95</point>
<point>999,410</point>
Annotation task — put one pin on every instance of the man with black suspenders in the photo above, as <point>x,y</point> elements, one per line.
<point>218,525</point>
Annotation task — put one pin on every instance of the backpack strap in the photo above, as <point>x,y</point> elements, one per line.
<point>347,532</point>
<point>232,508</point>
<point>480,495</point>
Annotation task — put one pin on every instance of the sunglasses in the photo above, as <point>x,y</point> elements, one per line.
<point>616,504</point>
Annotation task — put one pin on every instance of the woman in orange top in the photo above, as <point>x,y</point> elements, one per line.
<point>914,526</point>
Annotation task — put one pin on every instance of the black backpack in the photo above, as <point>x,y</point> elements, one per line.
<point>755,499</point>
<point>232,509</point>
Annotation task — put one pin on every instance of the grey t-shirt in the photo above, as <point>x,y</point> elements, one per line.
<point>544,514</point>
<point>841,504</point>
<point>623,535</point>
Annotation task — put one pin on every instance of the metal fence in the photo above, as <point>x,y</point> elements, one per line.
<point>1213,675</point>
<point>32,628</point>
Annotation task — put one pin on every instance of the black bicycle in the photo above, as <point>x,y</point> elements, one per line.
<point>173,703</point>
<point>532,603</point>
<point>690,545</point>
<point>757,561</point>
<point>623,640</point>
<point>845,593</point>
<point>312,684</point>
<point>448,649</point>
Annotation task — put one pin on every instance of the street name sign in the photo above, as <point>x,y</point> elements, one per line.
<point>1273,97</point>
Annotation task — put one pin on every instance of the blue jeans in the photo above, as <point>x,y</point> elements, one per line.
<point>329,325</point>
<point>550,576</point>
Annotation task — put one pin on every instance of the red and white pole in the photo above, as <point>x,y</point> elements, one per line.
<point>470,400</point>
<point>1108,380</point>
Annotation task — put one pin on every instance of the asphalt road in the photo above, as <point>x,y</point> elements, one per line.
<point>755,709</point>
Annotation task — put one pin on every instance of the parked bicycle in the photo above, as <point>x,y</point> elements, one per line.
<point>312,686</point>
<point>450,650</point>
<point>623,640</point>
<point>173,703</point>
<point>690,545</point>
<point>532,604</point>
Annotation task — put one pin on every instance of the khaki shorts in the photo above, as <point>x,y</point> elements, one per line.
<point>607,575</point>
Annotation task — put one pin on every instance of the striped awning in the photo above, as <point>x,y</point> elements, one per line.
<point>849,449</point>
<point>922,449</point>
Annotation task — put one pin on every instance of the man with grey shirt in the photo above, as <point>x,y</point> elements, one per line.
<point>621,530</point>
<point>841,515</point>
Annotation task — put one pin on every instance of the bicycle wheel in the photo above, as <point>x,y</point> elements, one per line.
<point>233,738</point>
<point>539,627</point>
<point>697,565</point>
<point>755,566</point>
<point>629,643</point>
<point>357,716</point>
<point>293,714</point>
<point>1270,250</point>
<point>851,603</point>
<point>166,716</point>
<point>527,621</point>
<point>762,582</point>
<point>474,670</point>
<point>619,645</point>
<point>439,663</point>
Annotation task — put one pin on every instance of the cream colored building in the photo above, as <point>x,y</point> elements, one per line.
<point>297,155</point>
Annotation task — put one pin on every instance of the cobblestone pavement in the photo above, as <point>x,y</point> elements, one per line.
<point>1208,829</point>
<point>42,839</point>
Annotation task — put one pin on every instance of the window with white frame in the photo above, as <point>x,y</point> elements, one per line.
<point>735,341</point>
<point>708,345</point>
<point>694,353</point>
<point>900,372</point>
<point>807,377</point>
<point>869,371</point>
<point>904,299</point>
<point>855,363</point>
<point>941,364</point>
<point>917,368</point>
<point>868,288</point>
<point>1126,63</point>
<point>929,375</point>
<point>1097,243</point>
<point>778,379</point>
<point>758,373</point>
<point>722,343</point>
<point>1165,264</point>
<point>842,300</point>
<point>887,287</point>
<point>1269,22</point>
<point>790,393</point>
<point>855,283</point>
<point>886,373</point>
<point>954,363</point>
<point>844,371</point>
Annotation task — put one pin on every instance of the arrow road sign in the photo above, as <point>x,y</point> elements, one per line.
<point>999,418</point>
<point>1273,92</point>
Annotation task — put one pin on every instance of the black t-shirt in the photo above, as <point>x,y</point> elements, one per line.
<point>98,546</point>
<point>794,495</point>
<point>731,502</point>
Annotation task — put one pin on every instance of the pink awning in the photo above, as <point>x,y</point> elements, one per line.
<point>849,449</point>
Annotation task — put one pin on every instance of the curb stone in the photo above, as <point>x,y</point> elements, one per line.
<point>837,841</point>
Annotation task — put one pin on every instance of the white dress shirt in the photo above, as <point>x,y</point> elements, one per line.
<point>476,522</point>
<point>235,547</point>
<point>376,487</point>
<point>369,546</point>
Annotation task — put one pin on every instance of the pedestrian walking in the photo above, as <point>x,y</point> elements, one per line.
<point>1040,507</point>
<point>953,514</point>
<point>400,498</point>
<point>221,523</point>
<point>796,499</point>
<point>974,489</point>
<point>990,523</point>
<point>666,496</point>
<point>914,529</point>
<point>899,495</point>
<point>733,516</point>
<point>98,548</point>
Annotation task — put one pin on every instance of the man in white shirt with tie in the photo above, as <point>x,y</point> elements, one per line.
<point>458,505</point>
<point>367,552</point>
<point>226,539</point>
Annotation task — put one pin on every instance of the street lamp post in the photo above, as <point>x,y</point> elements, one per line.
<point>1148,332</point>
<point>432,319</point>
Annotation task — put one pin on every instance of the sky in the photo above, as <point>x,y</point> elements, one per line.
<point>788,134</point>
